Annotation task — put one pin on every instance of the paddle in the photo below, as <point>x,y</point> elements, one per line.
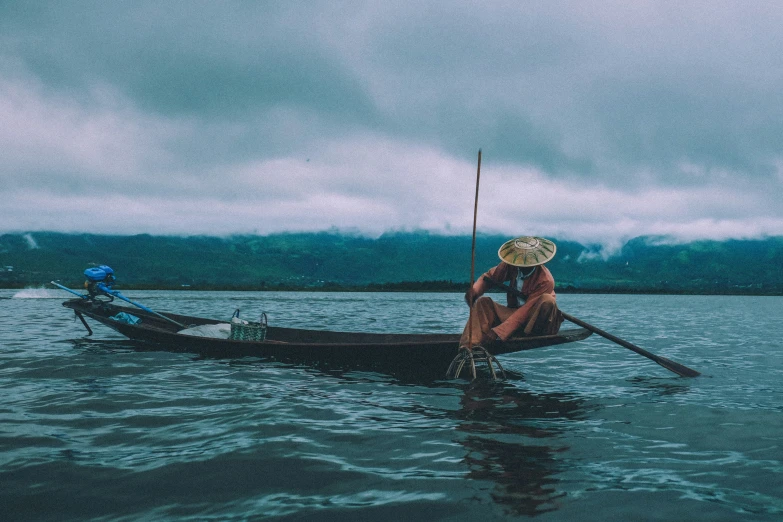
<point>670,365</point>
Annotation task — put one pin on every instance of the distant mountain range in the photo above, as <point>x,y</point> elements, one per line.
<point>394,261</point>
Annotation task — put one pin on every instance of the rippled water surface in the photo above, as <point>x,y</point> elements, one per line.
<point>92,428</point>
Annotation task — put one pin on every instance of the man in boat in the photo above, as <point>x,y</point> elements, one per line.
<point>521,267</point>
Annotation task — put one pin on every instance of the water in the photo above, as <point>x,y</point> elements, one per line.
<point>92,429</point>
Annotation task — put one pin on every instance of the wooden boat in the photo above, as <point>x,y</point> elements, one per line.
<point>390,353</point>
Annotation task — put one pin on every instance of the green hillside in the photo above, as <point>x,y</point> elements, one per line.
<point>397,261</point>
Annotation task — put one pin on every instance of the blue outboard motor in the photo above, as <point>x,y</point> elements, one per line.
<point>109,280</point>
<point>95,274</point>
<point>98,278</point>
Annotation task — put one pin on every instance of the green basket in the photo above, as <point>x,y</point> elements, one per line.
<point>246,330</point>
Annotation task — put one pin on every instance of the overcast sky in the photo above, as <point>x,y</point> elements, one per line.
<point>598,121</point>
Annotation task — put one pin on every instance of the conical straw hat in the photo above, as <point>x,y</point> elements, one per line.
<point>527,251</point>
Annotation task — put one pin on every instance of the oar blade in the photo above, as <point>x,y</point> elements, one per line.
<point>676,367</point>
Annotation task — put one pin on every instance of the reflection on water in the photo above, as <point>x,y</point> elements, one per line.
<point>661,386</point>
<point>512,442</point>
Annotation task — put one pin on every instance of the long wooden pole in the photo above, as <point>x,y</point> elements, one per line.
<point>679,369</point>
<point>473,250</point>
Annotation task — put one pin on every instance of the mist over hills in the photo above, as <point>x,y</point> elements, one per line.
<point>394,261</point>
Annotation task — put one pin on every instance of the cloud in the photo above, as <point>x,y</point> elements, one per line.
<point>68,145</point>
<point>32,244</point>
<point>597,123</point>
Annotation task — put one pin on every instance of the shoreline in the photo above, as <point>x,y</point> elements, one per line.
<point>413,287</point>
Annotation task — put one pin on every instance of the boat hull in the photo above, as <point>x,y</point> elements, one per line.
<point>385,352</point>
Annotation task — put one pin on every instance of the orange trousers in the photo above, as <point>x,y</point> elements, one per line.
<point>544,319</point>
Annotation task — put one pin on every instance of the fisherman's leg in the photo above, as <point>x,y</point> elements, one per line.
<point>486,314</point>
<point>482,318</point>
<point>545,318</point>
